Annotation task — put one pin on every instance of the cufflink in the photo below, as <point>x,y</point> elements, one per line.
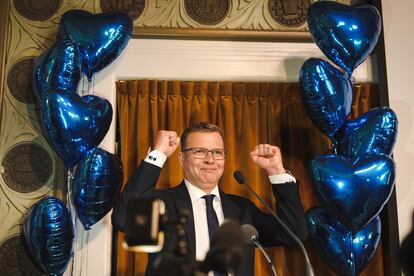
<point>152,158</point>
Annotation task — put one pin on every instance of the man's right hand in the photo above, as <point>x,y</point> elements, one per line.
<point>167,142</point>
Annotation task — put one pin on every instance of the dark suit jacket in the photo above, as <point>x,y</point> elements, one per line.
<point>288,206</point>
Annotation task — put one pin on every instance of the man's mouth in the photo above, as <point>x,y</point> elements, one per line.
<point>208,169</point>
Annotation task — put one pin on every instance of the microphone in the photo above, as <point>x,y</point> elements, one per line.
<point>143,225</point>
<point>227,249</point>
<point>252,236</point>
<point>238,175</point>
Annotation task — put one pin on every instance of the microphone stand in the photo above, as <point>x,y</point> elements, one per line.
<point>177,262</point>
<point>309,268</point>
<point>255,242</point>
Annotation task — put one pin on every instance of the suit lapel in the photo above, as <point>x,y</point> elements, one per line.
<point>183,201</point>
<point>230,209</point>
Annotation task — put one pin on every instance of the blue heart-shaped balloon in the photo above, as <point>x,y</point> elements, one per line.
<point>74,124</point>
<point>345,253</point>
<point>346,35</point>
<point>58,68</point>
<point>353,192</point>
<point>102,110</point>
<point>327,95</point>
<point>97,184</point>
<point>100,37</point>
<point>375,132</point>
<point>48,232</point>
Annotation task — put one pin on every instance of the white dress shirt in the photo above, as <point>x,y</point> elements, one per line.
<point>202,239</point>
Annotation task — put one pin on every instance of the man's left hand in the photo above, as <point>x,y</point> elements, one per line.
<point>269,158</point>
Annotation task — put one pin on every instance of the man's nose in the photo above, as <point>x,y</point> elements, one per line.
<point>209,157</point>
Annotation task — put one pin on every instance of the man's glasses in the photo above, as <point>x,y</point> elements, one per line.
<point>200,153</point>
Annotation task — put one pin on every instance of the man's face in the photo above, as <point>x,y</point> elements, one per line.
<point>203,173</point>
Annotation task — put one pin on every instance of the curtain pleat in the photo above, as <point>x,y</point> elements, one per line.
<point>249,114</point>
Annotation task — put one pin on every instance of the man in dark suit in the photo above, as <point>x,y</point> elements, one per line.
<point>202,158</point>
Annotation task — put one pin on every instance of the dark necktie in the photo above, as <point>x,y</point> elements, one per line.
<point>212,221</point>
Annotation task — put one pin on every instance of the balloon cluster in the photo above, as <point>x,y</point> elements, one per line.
<point>356,180</point>
<point>75,126</point>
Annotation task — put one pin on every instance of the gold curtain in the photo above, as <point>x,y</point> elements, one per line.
<point>249,114</point>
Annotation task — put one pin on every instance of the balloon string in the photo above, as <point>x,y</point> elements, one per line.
<point>77,249</point>
<point>71,213</point>
<point>68,189</point>
<point>90,86</point>
<point>84,251</point>
<point>73,265</point>
<point>85,254</point>
<point>335,148</point>
<point>69,198</point>
<point>87,85</point>
<point>84,85</point>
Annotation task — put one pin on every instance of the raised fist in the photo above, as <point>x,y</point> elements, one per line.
<point>167,142</point>
<point>269,158</point>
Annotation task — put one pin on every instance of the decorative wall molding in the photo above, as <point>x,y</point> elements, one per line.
<point>29,168</point>
<point>281,20</point>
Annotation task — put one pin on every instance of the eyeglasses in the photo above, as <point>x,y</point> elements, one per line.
<point>200,153</point>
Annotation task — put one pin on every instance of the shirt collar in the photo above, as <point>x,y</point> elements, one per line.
<point>196,193</point>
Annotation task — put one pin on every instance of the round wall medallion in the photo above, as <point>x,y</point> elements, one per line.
<point>15,260</point>
<point>18,81</point>
<point>37,10</point>
<point>133,8</point>
<point>289,13</point>
<point>207,12</point>
<point>26,167</point>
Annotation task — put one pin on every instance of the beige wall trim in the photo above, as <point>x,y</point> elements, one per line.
<point>4,23</point>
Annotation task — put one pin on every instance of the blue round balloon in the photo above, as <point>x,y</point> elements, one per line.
<point>346,35</point>
<point>100,37</point>
<point>345,253</point>
<point>374,132</point>
<point>74,124</point>
<point>327,95</point>
<point>48,232</point>
<point>58,68</point>
<point>353,192</point>
<point>96,185</point>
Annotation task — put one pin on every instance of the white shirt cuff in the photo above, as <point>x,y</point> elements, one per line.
<point>281,178</point>
<point>156,158</point>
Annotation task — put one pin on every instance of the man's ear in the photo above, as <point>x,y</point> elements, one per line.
<point>181,158</point>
